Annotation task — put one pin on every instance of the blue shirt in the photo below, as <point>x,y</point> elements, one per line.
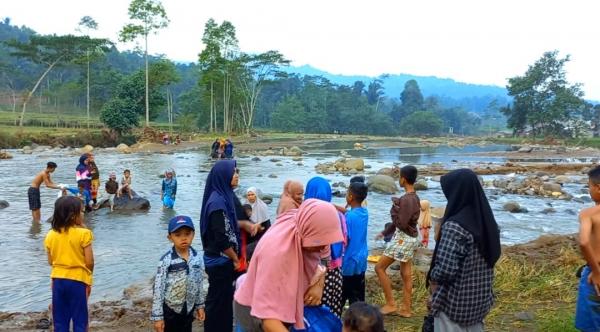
<point>169,187</point>
<point>355,258</point>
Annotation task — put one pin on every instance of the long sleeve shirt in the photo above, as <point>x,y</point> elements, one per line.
<point>405,215</point>
<point>464,279</point>
<point>178,284</point>
<point>219,237</point>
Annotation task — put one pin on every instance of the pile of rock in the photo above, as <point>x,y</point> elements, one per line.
<point>345,166</point>
<point>5,155</point>
<point>532,186</point>
<point>294,151</point>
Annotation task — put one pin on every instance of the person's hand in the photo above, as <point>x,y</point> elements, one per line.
<point>379,236</point>
<point>313,295</point>
<point>254,229</point>
<point>594,279</point>
<point>159,326</point>
<point>236,264</point>
<point>200,314</point>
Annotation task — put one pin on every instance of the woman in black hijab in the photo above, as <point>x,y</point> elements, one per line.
<point>462,268</point>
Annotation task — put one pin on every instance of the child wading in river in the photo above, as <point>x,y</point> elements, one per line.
<point>178,287</point>
<point>168,190</point>
<point>69,248</point>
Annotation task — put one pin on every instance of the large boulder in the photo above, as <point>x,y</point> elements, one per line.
<point>525,149</point>
<point>421,184</point>
<point>513,207</point>
<point>137,203</point>
<point>296,151</point>
<point>562,179</point>
<point>382,184</point>
<point>123,148</point>
<point>552,187</point>
<point>393,172</point>
<point>355,163</point>
<point>3,204</point>
<point>5,155</point>
<point>86,149</point>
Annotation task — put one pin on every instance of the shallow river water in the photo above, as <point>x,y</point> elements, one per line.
<point>127,246</point>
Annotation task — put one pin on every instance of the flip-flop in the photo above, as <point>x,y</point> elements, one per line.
<point>43,324</point>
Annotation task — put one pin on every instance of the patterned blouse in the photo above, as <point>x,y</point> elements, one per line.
<point>178,283</point>
<point>463,276</point>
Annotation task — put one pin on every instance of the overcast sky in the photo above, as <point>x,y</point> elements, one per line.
<point>482,42</point>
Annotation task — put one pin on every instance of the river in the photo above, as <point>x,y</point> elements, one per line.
<point>127,246</point>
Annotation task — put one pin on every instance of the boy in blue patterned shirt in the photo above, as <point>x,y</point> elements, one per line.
<point>178,287</point>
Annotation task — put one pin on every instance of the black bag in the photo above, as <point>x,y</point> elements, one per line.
<point>427,323</point>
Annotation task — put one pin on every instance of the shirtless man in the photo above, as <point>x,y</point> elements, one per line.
<point>33,193</point>
<point>587,314</point>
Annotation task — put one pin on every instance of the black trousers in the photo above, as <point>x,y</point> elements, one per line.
<point>219,299</point>
<point>175,322</point>
<point>353,288</point>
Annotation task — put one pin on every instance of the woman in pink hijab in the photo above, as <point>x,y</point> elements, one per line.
<point>292,196</point>
<point>271,296</point>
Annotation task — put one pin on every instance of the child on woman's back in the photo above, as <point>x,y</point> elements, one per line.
<point>69,248</point>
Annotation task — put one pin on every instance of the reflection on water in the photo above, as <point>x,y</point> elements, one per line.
<point>127,246</point>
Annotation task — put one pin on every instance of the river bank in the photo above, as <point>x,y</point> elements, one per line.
<point>535,288</point>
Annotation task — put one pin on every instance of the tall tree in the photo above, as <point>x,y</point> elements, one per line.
<point>218,63</point>
<point>255,71</point>
<point>543,99</point>
<point>86,24</point>
<point>148,17</point>
<point>411,97</point>
<point>375,91</point>
<point>51,51</point>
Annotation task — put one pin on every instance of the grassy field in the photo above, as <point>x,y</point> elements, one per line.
<point>535,281</point>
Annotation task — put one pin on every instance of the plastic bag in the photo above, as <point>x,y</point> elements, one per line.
<point>320,319</point>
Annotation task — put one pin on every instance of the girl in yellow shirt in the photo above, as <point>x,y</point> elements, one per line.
<point>69,247</point>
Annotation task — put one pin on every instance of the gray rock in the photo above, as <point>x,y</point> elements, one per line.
<point>297,159</point>
<point>339,193</point>
<point>3,204</point>
<point>279,164</point>
<point>274,160</point>
<point>383,184</point>
<point>296,151</point>
<point>255,159</point>
<point>421,185</point>
<point>525,149</point>
<point>355,163</point>
<point>501,183</point>
<point>549,210</point>
<point>137,203</point>
<point>562,179</point>
<point>272,176</point>
<point>512,207</point>
<point>552,187</point>
<point>524,316</point>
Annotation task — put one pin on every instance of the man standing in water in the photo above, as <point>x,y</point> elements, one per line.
<point>33,193</point>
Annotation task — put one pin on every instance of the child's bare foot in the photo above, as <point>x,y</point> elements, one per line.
<point>388,309</point>
<point>403,312</point>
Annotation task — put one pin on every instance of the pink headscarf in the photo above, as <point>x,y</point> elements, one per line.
<point>287,202</point>
<point>280,270</point>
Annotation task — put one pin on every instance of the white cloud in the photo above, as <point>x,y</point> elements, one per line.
<point>471,41</point>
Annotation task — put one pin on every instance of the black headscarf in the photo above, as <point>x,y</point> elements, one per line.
<point>468,206</point>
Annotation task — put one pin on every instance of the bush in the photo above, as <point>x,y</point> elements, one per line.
<point>421,123</point>
<point>119,115</point>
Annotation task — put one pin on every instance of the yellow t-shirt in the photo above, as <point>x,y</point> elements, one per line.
<point>66,251</point>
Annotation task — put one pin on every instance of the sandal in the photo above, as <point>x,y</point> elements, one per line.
<point>43,324</point>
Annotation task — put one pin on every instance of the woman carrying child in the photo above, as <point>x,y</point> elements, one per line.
<point>269,298</point>
<point>69,248</point>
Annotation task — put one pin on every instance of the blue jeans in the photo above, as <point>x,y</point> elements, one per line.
<point>69,302</point>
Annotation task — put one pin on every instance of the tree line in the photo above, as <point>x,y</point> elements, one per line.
<point>229,90</point>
